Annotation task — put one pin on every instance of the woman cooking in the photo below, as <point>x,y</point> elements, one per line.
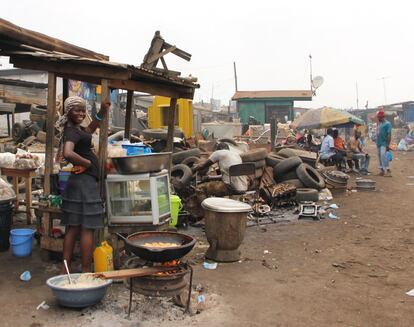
<point>82,207</point>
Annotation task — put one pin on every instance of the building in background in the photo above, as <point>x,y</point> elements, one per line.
<point>267,105</point>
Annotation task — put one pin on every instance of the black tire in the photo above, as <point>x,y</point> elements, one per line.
<point>285,177</point>
<point>225,140</point>
<point>295,182</point>
<point>190,161</point>
<point>259,163</point>
<point>178,157</point>
<point>181,176</point>
<point>287,165</point>
<point>38,110</point>
<point>160,134</point>
<point>35,128</point>
<point>37,118</point>
<point>273,159</point>
<point>310,177</point>
<point>19,132</point>
<point>287,153</point>
<point>254,155</point>
<point>29,140</point>
<point>307,195</point>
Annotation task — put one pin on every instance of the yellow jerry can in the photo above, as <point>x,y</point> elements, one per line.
<point>103,257</point>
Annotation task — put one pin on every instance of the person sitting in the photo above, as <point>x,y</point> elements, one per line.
<point>358,154</point>
<point>224,158</point>
<point>327,152</point>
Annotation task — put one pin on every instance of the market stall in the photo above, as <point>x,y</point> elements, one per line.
<point>32,50</point>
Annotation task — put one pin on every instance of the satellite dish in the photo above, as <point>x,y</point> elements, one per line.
<point>317,81</point>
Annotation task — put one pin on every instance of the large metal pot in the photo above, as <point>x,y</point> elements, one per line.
<point>225,224</point>
<point>141,164</point>
<point>135,243</point>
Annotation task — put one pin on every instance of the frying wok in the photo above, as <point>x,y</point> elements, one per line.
<point>135,243</point>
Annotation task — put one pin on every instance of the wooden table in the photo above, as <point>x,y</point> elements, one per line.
<point>27,174</point>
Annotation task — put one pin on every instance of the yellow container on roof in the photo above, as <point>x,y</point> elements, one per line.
<point>159,110</point>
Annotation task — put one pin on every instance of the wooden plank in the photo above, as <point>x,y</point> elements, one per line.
<point>50,130</point>
<point>71,68</point>
<point>130,273</point>
<point>162,54</point>
<point>23,94</point>
<point>9,30</point>
<point>146,87</point>
<point>171,125</point>
<point>65,93</point>
<point>128,113</point>
<point>103,139</point>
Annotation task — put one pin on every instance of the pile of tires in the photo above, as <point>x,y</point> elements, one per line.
<point>258,157</point>
<point>290,169</point>
<point>160,133</point>
<point>182,173</point>
<point>335,179</point>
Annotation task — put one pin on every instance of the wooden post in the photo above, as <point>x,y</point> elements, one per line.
<point>103,139</point>
<point>8,125</point>
<point>273,128</point>
<point>65,93</point>
<point>128,114</point>
<point>50,130</point>
<point>171,125</point>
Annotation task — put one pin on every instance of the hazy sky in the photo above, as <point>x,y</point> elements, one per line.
<point>350,42</point>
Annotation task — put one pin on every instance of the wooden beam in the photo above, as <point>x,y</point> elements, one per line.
<point>128,114</point>
<point>50,130</point>
<point>65,93</point>
<point>103,139</point>
<point>154,88</point>
<point>25,36</point>
<point>171,125</point>
<point>162,54</point>
<point>71,68</point>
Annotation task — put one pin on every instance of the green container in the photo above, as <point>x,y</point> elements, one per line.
<point>176,206</point>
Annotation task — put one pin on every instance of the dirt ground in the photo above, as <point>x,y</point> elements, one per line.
<point>348,272</point>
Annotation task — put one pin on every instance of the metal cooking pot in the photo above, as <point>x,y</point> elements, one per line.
<point>135,243</point>
<point>145,163</point>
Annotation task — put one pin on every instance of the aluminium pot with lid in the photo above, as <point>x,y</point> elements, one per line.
<point>225,205</point>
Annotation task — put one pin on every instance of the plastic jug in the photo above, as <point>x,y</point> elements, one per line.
<point>176,206</point>
<point>102,257</point>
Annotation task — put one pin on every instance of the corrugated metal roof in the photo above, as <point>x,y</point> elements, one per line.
<point>295,94</point>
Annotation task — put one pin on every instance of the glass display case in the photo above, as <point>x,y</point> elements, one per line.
<point>141,198</point>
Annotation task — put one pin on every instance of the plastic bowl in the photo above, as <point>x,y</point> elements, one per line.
<point>77,297</point>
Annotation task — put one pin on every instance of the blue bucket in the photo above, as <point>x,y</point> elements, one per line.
<point>21,241</point>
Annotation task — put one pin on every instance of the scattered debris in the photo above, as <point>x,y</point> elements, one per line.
<point>43,305</point>
<point>210,265</point>
<point>410,293</point>
<point>25,276</point>
<point>332,216</point>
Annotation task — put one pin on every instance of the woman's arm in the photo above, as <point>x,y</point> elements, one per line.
<point>101,114</point>
<point>75,159</point>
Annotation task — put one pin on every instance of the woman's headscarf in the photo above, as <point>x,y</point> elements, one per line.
<point>69,104</point>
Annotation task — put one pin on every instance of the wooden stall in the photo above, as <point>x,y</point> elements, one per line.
<point>32,50</point>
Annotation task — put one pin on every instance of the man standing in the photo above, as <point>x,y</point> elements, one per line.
<point>383,143</point>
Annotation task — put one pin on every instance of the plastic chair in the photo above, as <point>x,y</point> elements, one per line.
<point>243,169</point>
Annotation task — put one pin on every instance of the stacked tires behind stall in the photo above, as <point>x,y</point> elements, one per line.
<point>258,157</point>
<point>285,171</point>
<point>310,177</point>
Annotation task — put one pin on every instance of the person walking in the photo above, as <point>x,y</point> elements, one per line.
<point>82,207</point>
<point>383,144</point>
